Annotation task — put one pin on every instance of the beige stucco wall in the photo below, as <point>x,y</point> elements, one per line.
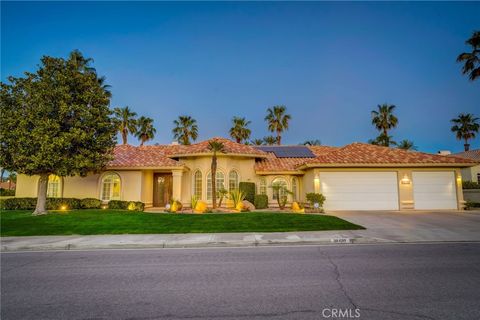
<point>471,174</point>
<point>26,186</point>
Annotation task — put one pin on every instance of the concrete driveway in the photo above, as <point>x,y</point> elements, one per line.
<point>413,226</point>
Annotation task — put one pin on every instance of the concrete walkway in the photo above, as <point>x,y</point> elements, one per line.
<point>382,227</point>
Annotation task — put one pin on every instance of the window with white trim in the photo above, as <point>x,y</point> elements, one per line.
<point>282,182</point>
<point>232,180</point>
<point>220,183</point>
<point>198,184</point>
<point>54,186</point>
<point>294,188</point>
<point>110,187</point>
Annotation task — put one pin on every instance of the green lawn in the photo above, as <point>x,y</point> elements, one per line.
<point>22,223</point>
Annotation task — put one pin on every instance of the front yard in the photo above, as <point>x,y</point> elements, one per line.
<point>89,222</point>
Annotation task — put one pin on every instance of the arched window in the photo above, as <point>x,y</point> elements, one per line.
<point>294,188</point>
<point>279,182</point>
<point>232,180</point>
<point>110,187</point>
<point>198,184</point>
<point>262,188</point>
<point>54,186</point>
<point>220,183</point>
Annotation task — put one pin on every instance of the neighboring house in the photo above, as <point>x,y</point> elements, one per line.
<point>9,185</point>
<point>470,173</point>
<point>357,176</point>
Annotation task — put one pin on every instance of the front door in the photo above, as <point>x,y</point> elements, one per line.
<point>162,189</point>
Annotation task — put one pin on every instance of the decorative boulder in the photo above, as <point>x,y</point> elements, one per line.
<point>201,207</point>
<point>248,205</point>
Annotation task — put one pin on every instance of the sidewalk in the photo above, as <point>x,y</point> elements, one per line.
<point>182,240</point>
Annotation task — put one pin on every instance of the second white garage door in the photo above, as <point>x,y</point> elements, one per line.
<point>434,190</point>
<point>360,190</point>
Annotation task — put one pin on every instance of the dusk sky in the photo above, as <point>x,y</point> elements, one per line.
<point>329,63</point>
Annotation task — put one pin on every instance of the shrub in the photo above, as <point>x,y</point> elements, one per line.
<point>18,203</point>
<point>118,204</point>
<point>470,185</point>
<point>248,189</point>
<point>59,203</point>
<point>139,206</point>
<point>470,205</point>
<point>6,192</point>
<point>261,201</point>
<point>90,203</point>
<point>237,197</point>
<point>313,198</point>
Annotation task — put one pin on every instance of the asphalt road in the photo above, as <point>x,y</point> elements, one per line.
<point>414,281</point>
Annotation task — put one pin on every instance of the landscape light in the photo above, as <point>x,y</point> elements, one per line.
<point>63,207</point>
<point>405,179</point>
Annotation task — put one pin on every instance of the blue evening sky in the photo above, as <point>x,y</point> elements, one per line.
<point>329,63</point>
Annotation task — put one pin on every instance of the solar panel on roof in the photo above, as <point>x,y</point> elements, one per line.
<point>288,151</point>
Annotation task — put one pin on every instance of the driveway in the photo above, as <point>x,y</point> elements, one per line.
<point>413,226</point>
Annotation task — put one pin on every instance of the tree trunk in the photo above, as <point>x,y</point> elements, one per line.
<point>1,174</point>
<point>124,136</point>
<point>279,138</point>
<point>41,195</point>
<point>141,143</point>
<point>214,181</point>
<point>466,145</point>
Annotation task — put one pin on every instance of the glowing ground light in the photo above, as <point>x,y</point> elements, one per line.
<point>63,207</point>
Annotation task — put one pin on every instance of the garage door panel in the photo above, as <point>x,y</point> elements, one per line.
<point>360,190</point>
<point>434,190</point>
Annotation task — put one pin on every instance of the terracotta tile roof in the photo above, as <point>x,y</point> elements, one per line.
<point>231,147</point>
<point>146,156</point>
<point>363,153</point>
<point>471,154</point>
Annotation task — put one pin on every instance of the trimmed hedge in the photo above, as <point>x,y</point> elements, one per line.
<point>261,201</point>
<point>470,185</point>
<point>70,203</point>
<point>248,189</point>
<point>6,192</point>
<point>126,205</point>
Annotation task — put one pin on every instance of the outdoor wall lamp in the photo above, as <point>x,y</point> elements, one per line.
<point>405,179</point>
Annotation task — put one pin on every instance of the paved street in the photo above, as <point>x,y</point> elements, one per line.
<point>393,281</point>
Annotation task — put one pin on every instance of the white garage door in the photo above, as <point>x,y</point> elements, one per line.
<point>360,190</point>
<point>434,190</point>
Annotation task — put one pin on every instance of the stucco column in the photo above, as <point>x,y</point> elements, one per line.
<point>316,182</point>
<point>458,181</point>
<point>405,189</point>
<point>177,184</point>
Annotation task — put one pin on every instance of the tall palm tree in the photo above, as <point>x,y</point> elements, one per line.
<point>383,140</point>
<point>278,120</point>
<point>80,62</point>
<point>185,129</point>
<point>269,140</point>
<point>215,146</point>
<point>315,142</point>
<point>465,127</point>
<point>125,121</point>
<point>145,129</point>
<point>406,145</point>
<point>257,142</point>
<point>383,118</point>
<point>471,60</point>
<point>239,131</point>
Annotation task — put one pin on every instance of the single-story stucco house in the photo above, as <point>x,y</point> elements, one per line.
<point>470,173</point>
<point>357,176</point>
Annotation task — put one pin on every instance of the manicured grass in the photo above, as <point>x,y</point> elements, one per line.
<point>22,223</point>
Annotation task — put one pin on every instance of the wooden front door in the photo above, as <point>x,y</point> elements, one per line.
<point>162,189</point>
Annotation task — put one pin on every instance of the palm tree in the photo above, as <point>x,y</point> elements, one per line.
<point>145,129</point>
<point>471,60</point>
<point>278,121</point>
<point>104,86</point>
<point>383,119</point>
<point>257,142</point>
<point>185,129</point>
<point>269,140</point>
<point>239,132</point>
<point>466,127</point>
<point>80,62</point>
<point>315,142</point>
<point>406,145</point>
<point>383,140</point>
<point>125,121</point>
<point>215,146</point>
